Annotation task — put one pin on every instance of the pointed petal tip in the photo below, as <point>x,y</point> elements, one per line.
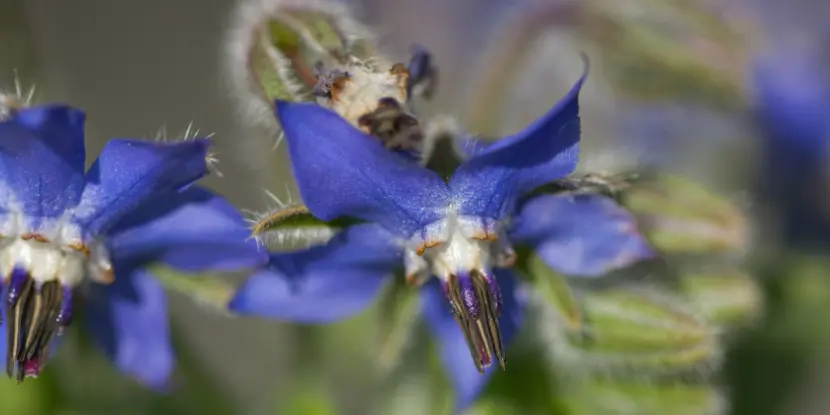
<point>586,62</point>
<point>546,150</point>
<point>586,69</point>
<point>236,304</point>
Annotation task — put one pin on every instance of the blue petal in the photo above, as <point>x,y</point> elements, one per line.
<point>128,173</point>
<point>580,235</point>
<point>488,184</point>
<point>793,98</point>
<point>42,160</point>
<point>467,381</point>
<point>128,319</point>
<point>323,283</point>
<point>342,172</point>
<point>193,231</point>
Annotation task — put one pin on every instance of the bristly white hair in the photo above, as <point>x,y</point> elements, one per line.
<point>191,133</point>
<point>567,359</point>
<point>16,98</point>
<point>301,237</point>
<point>251,14</point>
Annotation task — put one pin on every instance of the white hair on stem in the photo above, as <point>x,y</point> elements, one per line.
<point>277,237</point>
<point>16,98</point>
<point>700,360</point>
<point>191,133</point>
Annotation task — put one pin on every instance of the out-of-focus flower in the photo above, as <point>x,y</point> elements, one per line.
<point>793,112</point>
<point>461,229</point>
<point>62,227</point>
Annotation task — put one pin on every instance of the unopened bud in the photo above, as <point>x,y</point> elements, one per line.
<point>633,334</point>
<point>632,398</point>
<point>729,298</point>
<point>679,216</point>
<point>273,46</point>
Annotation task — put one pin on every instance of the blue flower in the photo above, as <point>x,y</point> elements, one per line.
<point>793,112</point>
<point>460,230</point>
<point>62,226</point>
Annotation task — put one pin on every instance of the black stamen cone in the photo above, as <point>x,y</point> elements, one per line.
<point>397,129</point>
<point>34,314</point>
<point>477,307</point>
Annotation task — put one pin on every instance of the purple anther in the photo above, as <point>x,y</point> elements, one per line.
<point>468,297</point>
<point>16,282</point>
<point>31,367</point>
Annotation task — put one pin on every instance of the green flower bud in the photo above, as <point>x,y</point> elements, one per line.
<point>645,332</point>
<point>602,397</point>
<point>681,217</point>
<point>211,290</point>
<point>728,298</point>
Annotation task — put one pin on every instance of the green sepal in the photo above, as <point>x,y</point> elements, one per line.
<point>554,290</point>
<point>211,290</point>
<point>399,315</point>
<point>645,335</point>
<point>597,397</point>
<point>293,226</point>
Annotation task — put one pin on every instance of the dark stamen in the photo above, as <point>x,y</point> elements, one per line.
<point>31,368</point>
<point>36,315</point>
<point>397,129</point>
<point>475,301</point>
<point>422,74</point>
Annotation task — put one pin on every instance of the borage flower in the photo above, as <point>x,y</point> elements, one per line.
<point>62,227</point>
<point>461,230</point>
<point>792,109</point>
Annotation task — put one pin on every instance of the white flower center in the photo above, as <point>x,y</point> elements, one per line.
<point>460,251</point>
<point>53,252</point>
<point>457,254</point>
<point>456,245</point>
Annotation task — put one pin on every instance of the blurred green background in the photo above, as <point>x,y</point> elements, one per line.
<point>667,83</point>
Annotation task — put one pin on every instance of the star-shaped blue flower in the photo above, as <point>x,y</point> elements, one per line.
<point>61,226</point>
<point>460,230</point>
<point>793,112</point>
